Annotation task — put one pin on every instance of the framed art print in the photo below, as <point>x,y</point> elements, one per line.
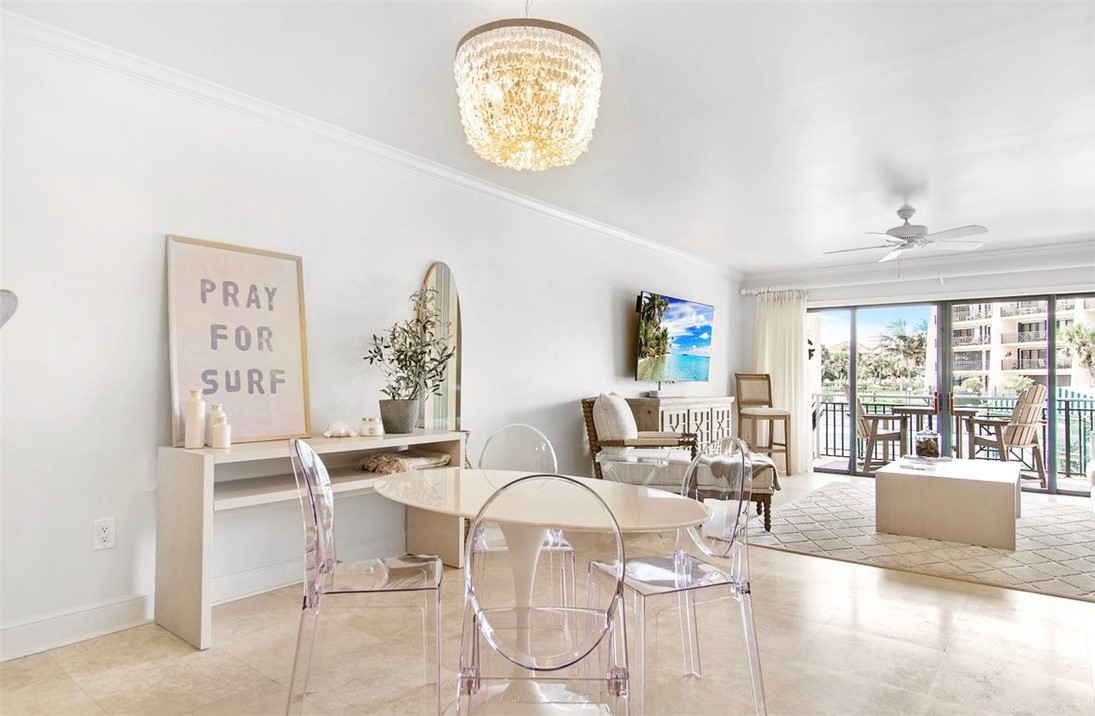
<point>236,332</point>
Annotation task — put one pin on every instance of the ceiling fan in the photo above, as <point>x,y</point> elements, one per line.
<point>908,236</point>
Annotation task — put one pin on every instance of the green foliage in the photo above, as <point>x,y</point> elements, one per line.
<point>653,337</point>
<point>972,385</point>
<point>1081,340</point>
<point>896,364</point>
<point>1017,384</point>
<point>411,355</point>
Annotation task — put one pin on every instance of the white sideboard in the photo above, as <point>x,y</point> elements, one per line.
<point>709,418</point>
<point>192,485</point>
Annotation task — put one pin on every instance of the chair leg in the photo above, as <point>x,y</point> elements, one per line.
<point>302,661</point>
<point>431,640</point>
<point>787,446</point>
<point>1039,465</point>
<point>690,636</point>
<point>752,648</point>
<point>644,670</point>
<point>868,456</point>
<point>767,502</point>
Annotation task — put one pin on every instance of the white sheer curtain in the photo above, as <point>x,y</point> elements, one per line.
<point>779,349</point>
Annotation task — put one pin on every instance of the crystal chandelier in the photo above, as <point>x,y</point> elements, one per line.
<point>529,91</point>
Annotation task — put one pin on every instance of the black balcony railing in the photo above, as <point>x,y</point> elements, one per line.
<point>1023,364</point>
<point>1024,337</point>
<point>834,434</point>
<point>1022,308</point>
<point>969,365</point>
<point>971,340</point>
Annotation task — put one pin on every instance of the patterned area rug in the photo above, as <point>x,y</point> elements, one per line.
<point>1055,542</point>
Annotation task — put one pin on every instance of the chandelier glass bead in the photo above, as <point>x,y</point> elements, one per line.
<point>529,92</point>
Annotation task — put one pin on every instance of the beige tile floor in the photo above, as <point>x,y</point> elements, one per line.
<point>836,638</point>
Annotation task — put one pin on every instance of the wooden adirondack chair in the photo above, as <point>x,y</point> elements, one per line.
<point>880,429</point>
<point>1019,432</point>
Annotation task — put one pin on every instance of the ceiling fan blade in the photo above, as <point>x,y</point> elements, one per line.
<point>958,245</point>
<point>971,230</point>
<point>887,237</point>
<point>893,254</point>
<point>865,248</point>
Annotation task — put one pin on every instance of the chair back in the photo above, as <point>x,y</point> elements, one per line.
<point>317,504</point>
<point>524,620</point>
<point>754,390</point>
<point>1026,417</point>
<point>518,447</point>
<point>862,425</point>
<point>721,480</point>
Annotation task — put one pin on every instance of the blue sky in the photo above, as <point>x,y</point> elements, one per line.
<point>872,322</point>
<point>689,326</point>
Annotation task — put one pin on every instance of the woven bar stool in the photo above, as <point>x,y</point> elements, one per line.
<point>755,405</point>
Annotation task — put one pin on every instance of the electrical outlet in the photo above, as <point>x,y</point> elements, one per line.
<point>104,534</point>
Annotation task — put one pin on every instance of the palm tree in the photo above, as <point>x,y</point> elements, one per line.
<point>653,337</point>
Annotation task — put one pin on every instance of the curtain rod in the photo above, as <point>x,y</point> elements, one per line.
<point>770,289</point>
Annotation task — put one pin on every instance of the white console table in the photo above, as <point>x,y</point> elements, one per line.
<point>192,485</point>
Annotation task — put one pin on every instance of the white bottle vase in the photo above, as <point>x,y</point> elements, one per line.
<point>194,421</point>
<point>216,410</point>
<point>222,432</point>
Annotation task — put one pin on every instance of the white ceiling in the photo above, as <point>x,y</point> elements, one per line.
<point>755,135</point>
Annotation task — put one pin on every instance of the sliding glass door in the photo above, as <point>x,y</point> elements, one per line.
<point>997,351</point>
<point>880,374</point>
<point>1074,397</point>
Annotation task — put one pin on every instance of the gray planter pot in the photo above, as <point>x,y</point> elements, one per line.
<point>399,416</point>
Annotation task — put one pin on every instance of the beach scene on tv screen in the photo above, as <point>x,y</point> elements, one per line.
<point>674,339</point>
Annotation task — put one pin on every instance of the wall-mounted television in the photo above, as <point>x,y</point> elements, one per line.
<point>674,339</point>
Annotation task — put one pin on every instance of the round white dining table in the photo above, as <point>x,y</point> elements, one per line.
<point>462,491</point>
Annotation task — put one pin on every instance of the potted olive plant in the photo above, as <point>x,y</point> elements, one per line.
<point>413,359</point>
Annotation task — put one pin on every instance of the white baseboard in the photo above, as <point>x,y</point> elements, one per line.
<point>282,573</point>
<point>50,631</point>
<point>61,628</point>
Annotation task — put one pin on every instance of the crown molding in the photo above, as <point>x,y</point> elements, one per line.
<point>1069,255</point>
<point>39,35</point>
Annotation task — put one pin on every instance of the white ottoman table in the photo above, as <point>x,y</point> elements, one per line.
<point>968,501</point>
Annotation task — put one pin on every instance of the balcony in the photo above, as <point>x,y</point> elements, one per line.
<point>971,340</point>
<point>834,436</point>
<point>977,365</point>
<point>1024,337</point>
<point>977,314</point>
<point>1022,308</point>
<point>1089,303</point>
<point>1023,364</point>
<point>1066,304</point>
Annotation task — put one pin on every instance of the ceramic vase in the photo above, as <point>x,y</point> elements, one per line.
<point>399,416</point>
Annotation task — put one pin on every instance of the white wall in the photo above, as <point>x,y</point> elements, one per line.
<point>99,164</point>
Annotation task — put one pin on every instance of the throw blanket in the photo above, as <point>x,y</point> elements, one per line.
<point>760,464</point>
<point>763,462</point>
<point>386,463</point>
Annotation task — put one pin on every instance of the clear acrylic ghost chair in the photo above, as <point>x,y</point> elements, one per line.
<point>522,649</point>
<point>518,446</point>
<point>329,582</point>
<point>679,581</point>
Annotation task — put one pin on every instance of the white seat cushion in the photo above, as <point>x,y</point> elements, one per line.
<point>761,410</point>
<point>613,420</point>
